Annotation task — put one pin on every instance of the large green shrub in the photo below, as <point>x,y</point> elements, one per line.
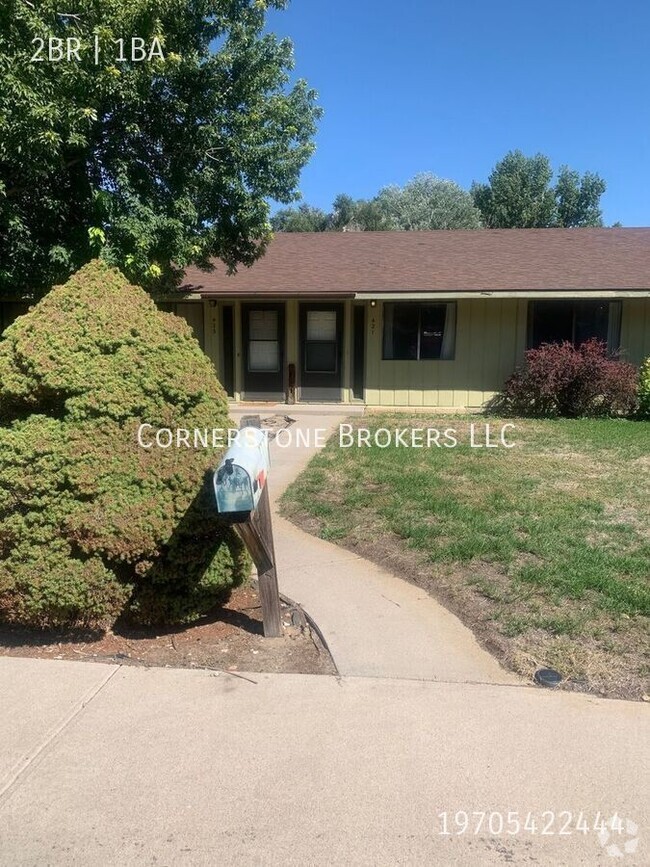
<point>644,389</point>
<point>92,525</point>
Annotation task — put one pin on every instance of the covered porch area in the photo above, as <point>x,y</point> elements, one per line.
<point>282,350</point>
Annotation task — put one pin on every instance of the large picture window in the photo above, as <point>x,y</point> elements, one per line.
<point>575,321</point>
<point>416,332</point>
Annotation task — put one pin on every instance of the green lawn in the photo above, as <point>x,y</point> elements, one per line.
<point>543,548</point>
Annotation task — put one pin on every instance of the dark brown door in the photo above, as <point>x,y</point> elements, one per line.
<point>321,351</point>
<point>263,348</point>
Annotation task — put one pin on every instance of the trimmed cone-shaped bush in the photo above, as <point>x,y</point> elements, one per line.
<point>92,525</point>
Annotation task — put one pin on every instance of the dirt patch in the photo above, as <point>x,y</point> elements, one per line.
<point>616,513</point>
<point>231,639</point>
<point>600,664</point>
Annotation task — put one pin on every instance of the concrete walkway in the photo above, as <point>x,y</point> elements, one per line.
<point>118,766</point>
<point>375,624</point>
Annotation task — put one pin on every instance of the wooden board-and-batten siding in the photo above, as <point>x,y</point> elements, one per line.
<point>491,337</point>
<point>635,329</point>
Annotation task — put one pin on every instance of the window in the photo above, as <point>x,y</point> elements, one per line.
<point>575,321</point>
<point>263,343</point>
<point>321,346</point>
<point>415,332</point>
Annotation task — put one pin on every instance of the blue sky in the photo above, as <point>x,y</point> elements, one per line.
<point>449,86</point>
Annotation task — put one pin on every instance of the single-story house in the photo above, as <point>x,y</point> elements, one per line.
<point>412,319</point>
<point>416,319</point>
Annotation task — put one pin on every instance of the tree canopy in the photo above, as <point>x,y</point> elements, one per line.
<point>152,163</point>
<point>519,194</point>
<point>304,218</point>
<point>428,202</point>
<point>578,198</point>
<point>424,202</point>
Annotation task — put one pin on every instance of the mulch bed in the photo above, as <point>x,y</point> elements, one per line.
<point>230,639</point>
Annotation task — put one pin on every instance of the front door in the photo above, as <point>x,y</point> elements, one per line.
<point>263,350</point>
<point>321,351</point>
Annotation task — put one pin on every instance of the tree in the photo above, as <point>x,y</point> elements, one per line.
<point>578,198</point>
<point>344,210</point>
<point>369,216</point>
<point>304,218</point>
<point>427,202</point>
<point>519,194</point>
<point>154,163</point>
<point>93,524</point>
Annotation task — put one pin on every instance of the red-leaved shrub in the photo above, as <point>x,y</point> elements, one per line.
<point>559,380</point>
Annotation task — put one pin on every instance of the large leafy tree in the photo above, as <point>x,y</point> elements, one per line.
<point>427,202</point>
<point>154,164</point>
<point>578,198</point>
<point>344,212</point>
<point>520,194</point>
<point>357,215</point>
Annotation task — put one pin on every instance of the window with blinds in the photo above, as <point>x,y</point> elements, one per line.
<point>321,345</point>
<point>263,342</point>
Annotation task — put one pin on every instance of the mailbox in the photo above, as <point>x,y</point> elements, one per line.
<point>242,495</point>
<point>240,477</point>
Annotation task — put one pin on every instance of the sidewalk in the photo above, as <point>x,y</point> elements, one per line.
<point>177,767</point>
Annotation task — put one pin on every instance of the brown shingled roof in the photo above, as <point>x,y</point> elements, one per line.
<point>345,263</point>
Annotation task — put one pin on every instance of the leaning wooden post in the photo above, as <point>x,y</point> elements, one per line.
<point>267,577</point>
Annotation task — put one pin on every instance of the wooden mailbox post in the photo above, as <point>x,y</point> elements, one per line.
<point>242,494</point>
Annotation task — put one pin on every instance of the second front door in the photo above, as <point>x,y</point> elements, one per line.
<point>321,351</point>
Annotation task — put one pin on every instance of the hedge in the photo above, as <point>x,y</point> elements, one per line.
<point>644,389</point>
